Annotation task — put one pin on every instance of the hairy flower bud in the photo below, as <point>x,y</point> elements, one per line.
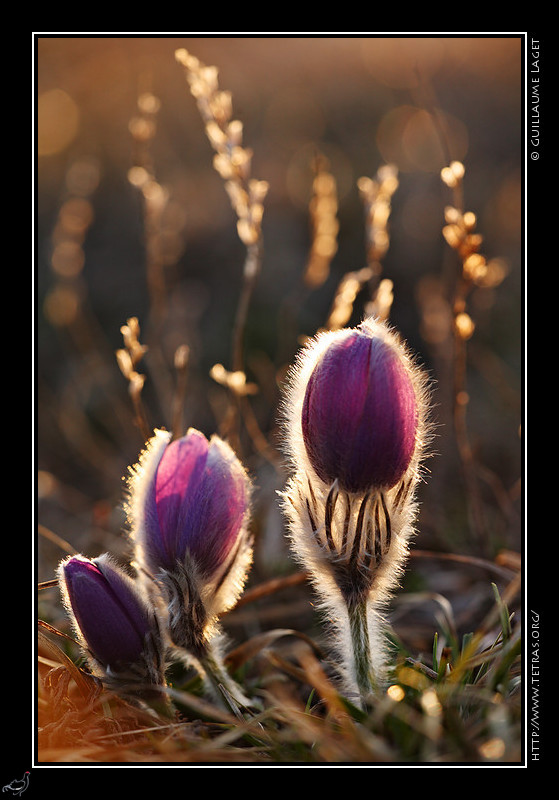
<point>189,506</point>
<point>359,415</point>
<point>196,504</point>
<point>355,404</point>
<point>355,429</point>
<point>112,621</point>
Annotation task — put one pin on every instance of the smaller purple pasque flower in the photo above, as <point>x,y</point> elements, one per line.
<point>111,619</point>
<point>359,414</point>
<point>189,509</point>
<point>195,505</point>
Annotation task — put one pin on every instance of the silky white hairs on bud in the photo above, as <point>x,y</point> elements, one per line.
<point>140,479</point>
<point>308,545</point>
<point>324,522</point>
<point>190,602</point>
<point>221,592</point>
<point>306,360</point>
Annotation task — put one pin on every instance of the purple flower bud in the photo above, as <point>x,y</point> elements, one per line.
<point>110,616</point>
<point>359,414</point>
<point>356,427</point>
<point>195,504</point>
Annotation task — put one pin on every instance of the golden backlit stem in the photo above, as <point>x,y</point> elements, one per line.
<point>127,359</point>
<point>161,234</point>
<point>232,161</point>
<point>143,128</point>
<point>359,633</point>
<point>181,359</point>
<point>323,210</point>
<point>376,195</point>
<point>461,237</point>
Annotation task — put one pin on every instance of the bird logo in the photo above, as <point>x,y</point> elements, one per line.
<point>17,787</point>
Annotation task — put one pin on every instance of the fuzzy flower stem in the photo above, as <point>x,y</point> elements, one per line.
<point>356,427</point>
<point>359,633</point>
<point>158,702</point>
<point>224,688</point>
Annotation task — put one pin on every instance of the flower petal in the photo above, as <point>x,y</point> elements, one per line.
<point>176,491</point>
<point>108,612</point>
<point>359,415</point>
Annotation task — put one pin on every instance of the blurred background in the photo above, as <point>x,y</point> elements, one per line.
<point>107,105</point>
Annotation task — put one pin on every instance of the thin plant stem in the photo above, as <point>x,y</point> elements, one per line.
<point>360,642</point>
<point>251,272</point>
<point>458,302</point>
<point>224,687</point>
<point>250,275</point>
<point>181,366</point>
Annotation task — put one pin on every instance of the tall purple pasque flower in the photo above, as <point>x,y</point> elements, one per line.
<point>189,509</point>
<point>360,413</point>
<point>355,431</point>
<point>117,629</point>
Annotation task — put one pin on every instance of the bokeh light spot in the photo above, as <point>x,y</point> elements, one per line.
<point>493,749</point>
<point>61,306</point>
<point>395,693</point>
<point>410,138</point>
<point>58,121</point>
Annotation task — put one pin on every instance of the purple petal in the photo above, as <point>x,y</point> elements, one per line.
<point>179,474</point>
<point>215,517</point>
<point>359,414</point>
<point>196,504</point>
<point>107,610</point>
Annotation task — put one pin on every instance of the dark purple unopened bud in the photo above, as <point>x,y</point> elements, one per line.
<point>110,616</point>
<point>359,414</point>
<point>195,504</point>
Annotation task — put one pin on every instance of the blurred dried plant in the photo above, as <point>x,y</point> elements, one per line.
<point>376,195</point>
<point>128,359</point>
<point>474,270</point>
<point>377,199</point>
<point>233,162</point>
<point>63,304</point>
<point>323,208</point>
<point>143,128</point>
<point>163,222</point>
